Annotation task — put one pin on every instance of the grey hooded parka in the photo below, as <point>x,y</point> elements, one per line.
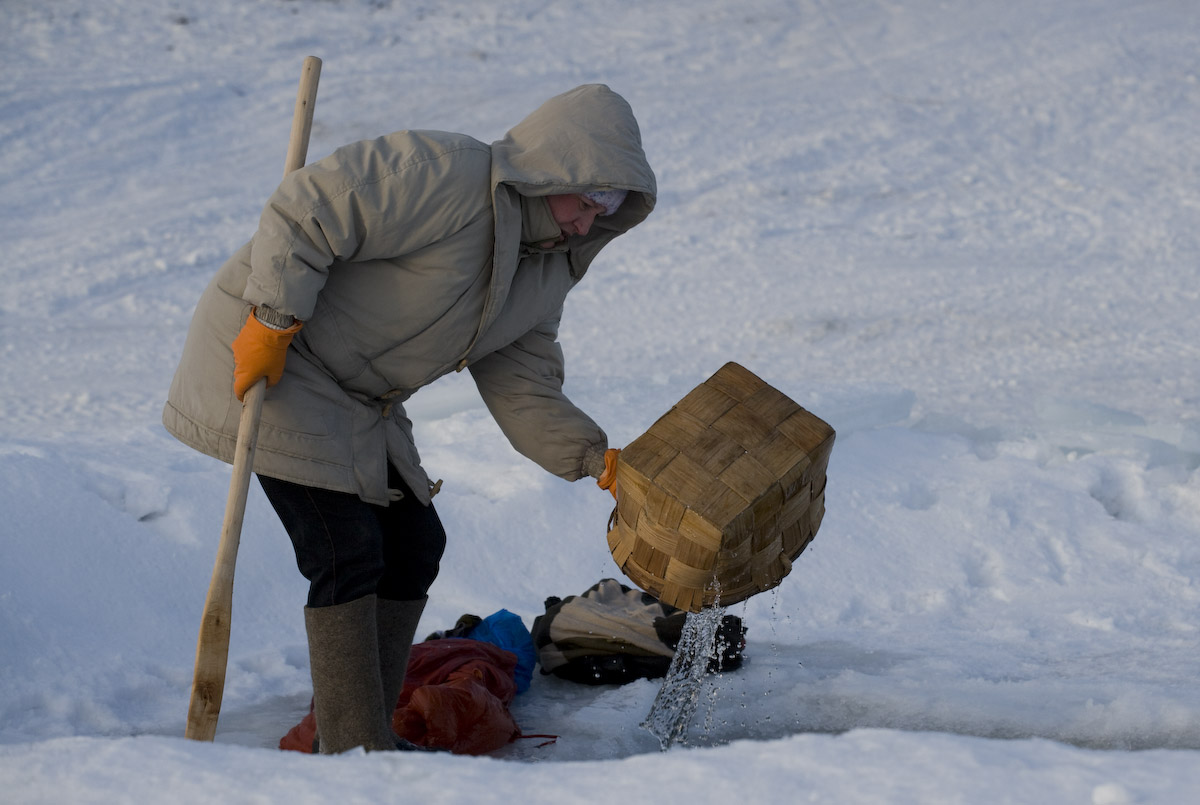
<point>404,258</point>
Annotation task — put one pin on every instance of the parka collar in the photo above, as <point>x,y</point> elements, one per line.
<point>537,222</point>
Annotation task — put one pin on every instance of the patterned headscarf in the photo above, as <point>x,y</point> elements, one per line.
<point>610,200</point>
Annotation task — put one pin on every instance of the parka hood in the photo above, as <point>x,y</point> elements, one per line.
<point>584,139</point>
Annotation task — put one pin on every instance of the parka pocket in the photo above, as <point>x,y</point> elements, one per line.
<point>324,339</point>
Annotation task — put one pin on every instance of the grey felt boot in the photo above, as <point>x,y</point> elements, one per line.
<point>397,625</point>
<point>343,649</point>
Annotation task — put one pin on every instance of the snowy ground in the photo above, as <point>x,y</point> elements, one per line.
<point>966,234</point>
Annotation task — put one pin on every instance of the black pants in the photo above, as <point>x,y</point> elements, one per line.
<point>348,549</point>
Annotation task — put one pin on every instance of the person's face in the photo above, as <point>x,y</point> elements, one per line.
<point>574,215</point>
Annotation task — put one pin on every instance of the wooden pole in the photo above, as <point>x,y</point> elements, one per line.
<point>212,645</point>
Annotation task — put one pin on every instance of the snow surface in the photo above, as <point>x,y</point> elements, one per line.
<point>966,234</point>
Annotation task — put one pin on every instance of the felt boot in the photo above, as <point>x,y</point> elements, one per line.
<point>343,650</point>
<point>397,625</point>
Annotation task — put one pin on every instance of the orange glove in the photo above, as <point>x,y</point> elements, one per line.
<point>608,478</point>
<point>259,351</point>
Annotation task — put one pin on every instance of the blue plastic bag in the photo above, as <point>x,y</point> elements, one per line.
<point>506,630</point>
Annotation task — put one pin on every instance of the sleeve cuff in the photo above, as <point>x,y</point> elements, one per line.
<point>269,317</point>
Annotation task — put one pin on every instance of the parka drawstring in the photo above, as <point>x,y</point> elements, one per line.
<point>395,495</point>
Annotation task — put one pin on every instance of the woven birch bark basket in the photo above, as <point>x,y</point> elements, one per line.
<point>719,497</point>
